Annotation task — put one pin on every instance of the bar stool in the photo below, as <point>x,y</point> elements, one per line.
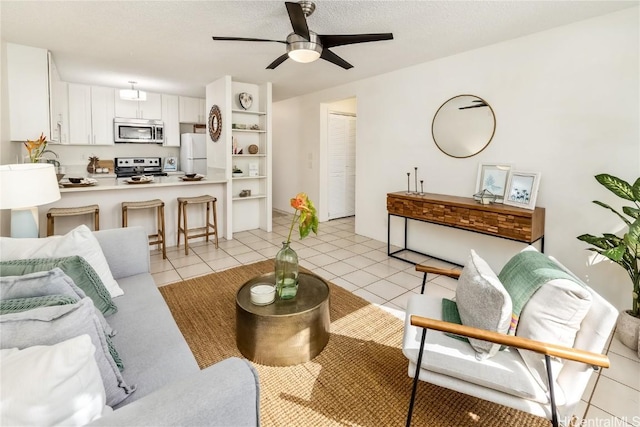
<point>158,237</point>
<point>80,210</point>
<point>205,231</point>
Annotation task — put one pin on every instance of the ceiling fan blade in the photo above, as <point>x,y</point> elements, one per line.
<point>327,55</point>
<point>298,20</point>
<point>278,61</point>
<point>245,39</point>
<point>342,39</point>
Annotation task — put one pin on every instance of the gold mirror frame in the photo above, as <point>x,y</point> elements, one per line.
<point>463,126</point>
<point>215,123</point>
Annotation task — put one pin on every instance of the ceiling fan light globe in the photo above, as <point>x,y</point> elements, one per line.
<point>304,55</point>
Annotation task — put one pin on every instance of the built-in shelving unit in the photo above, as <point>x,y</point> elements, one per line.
<point>248,212</point>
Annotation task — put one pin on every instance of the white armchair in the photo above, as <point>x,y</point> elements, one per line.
<point>504,378</point>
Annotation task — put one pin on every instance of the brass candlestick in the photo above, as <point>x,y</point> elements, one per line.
<point>421,187</point>
<point>416,178</point>
<point>408,189</point>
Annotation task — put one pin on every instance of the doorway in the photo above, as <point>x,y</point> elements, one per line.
<point>341,162</point>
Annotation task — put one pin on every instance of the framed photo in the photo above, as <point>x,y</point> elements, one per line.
<point>522,189</point>
<point>493,178</point>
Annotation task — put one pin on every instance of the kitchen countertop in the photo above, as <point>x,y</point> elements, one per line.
<point>111,183</point>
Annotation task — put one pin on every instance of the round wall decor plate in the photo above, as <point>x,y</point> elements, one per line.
<point>246,99</point>
<point>253,149</point>
<point>215,123</point>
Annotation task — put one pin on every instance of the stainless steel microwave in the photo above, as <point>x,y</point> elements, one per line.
<point>141,131</point>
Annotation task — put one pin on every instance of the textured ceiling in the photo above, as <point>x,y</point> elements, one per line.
<point>166,46</point>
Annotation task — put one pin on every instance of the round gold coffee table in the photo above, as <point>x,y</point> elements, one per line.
<point>285,332</point>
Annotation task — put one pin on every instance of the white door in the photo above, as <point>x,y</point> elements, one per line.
<point>342,165</point>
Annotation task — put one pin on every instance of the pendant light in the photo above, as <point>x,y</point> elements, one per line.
<point>133,94</point>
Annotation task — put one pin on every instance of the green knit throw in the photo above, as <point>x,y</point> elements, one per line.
<point>523,275</point>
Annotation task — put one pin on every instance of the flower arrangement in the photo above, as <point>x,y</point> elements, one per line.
<point>36,148</point>
<point>306,213</point>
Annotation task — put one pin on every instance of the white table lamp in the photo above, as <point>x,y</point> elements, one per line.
<point>23,188</point>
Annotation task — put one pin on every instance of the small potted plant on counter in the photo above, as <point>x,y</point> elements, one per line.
<point>624,251</point>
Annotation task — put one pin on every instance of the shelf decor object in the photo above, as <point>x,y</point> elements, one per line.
<point>215,123</point>
<point>522,189</point>
<point>485,197</point>
<point>246,100</point>
<point>493,177</point>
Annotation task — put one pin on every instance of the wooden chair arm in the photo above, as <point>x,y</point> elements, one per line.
<point>568,353</point>
<point>435,270</point>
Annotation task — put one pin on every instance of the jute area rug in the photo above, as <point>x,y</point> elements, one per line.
<point>359,379</point>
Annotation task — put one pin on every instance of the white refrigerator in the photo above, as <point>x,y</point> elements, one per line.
<point>193,153</point>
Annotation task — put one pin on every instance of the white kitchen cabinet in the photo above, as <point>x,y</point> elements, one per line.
<point>28,88</point>
<point>149,109</point>
<point>171,119</point>
<point>79,114</point>
<point>102,114</point>
<point>91,112</point>
<point>192,110</point>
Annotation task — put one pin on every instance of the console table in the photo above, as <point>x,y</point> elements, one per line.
<point>504,221</point>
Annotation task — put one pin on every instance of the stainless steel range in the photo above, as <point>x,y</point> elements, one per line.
<point>130,166</point>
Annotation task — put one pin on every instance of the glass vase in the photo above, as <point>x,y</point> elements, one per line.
<point>286,272</point>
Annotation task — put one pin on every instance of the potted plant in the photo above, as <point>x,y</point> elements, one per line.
<point>624,251</point>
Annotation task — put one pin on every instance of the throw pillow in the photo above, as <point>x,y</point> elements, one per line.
<point>51,385</point>
<point>76,267</point>
<point>483,303</point>
<point>51,325</point>
<point>22,304</point>
<point>20,293</point>
<point>553,314</point>
<point>79,241</point>
<point>40,283</point>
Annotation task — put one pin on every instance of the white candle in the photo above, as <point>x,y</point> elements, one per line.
<point>263,294</point>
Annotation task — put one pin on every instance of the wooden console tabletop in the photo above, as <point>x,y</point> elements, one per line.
<point>507,222</point>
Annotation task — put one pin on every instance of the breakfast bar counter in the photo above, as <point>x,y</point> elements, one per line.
<point>111,183</point>
<point>109,193</point>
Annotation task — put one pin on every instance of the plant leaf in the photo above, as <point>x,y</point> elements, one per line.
<point>617,186</point>
<point>615,254</point>
<point>632,238</point>
<point>632,212</point>
<point>599,242</point>
<point>606,206</point>
<point>636,189</point>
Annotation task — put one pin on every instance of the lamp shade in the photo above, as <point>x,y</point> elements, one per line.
<point>26,185</point>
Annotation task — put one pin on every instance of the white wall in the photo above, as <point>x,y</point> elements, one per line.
<point>566,103</point>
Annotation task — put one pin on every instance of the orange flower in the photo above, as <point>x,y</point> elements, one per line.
<point>299,203</point>
<point>307,215</point>
<point>36,148</point>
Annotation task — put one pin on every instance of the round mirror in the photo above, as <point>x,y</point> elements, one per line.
<point>463,126</point>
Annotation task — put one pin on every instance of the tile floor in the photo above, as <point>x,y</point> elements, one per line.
<point>361,265</point>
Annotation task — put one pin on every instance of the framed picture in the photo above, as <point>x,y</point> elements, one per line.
<point>493,178</point>
<point>522,189</point>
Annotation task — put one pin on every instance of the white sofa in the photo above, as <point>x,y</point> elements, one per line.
<point>170,387</point>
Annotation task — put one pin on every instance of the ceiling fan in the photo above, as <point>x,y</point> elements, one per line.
<point>305,46</point>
